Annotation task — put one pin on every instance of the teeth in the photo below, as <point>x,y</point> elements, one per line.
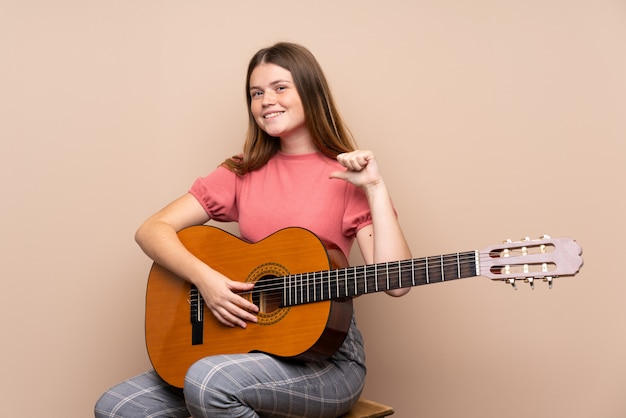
<point>271,115</point>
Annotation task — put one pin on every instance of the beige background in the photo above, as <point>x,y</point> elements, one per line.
<point>491,120</point>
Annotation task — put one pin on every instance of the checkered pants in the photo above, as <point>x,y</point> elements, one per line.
<point>246,385</point>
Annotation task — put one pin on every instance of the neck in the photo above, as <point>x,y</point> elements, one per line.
<point>359,280</point>
<point>300,144</point>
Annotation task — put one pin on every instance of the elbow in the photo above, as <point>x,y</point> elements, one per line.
<point>141,233</point>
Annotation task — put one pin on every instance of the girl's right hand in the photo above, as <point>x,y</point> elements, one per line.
<point>223,297</point>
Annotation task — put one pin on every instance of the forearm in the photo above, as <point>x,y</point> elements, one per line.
<point>159,241</point>
<point>386,240</point>
<point>389,243</point>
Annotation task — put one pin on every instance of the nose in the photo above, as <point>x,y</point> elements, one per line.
<point>269,98</point>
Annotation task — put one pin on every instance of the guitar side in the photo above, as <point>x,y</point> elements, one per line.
<point>308,331</point>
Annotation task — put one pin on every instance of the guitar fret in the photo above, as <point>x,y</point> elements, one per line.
<point>290,290</point>
<point>387,274</point>
<point>476,265</point>
<point>293,288</point>
<point>443,277</point>
<point>301,281</point>
<point>320,289</point>
<point>329,286</point>
<point>376,276</point>
<point>365,277</point>
<point>384,283</point>
<point>317,279</point>
<point>301,284</point>
<point>304,294</point>
<point>427,272</point>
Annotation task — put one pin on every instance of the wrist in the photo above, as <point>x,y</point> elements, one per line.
<point>375,187</point>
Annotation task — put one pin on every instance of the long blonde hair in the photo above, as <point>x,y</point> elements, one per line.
<point>330,134</point>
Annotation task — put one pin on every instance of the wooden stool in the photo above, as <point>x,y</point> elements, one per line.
<point>365,408</point>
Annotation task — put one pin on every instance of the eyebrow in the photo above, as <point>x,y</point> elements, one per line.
<point>273,83</point>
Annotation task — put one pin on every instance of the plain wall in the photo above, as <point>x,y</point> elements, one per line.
<point>490,120</point>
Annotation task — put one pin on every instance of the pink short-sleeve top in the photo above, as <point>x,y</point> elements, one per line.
<point>290,190</point>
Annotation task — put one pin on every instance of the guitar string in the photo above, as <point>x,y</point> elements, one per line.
<point>418,264</point>
<point>328,281</point>
<point>335,280</point>
<point>331,278</point>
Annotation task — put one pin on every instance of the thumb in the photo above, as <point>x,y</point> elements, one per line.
<point>342,175</point>
<point>240,286</point>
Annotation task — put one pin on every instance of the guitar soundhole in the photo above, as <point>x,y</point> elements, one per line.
<point>267,293</point>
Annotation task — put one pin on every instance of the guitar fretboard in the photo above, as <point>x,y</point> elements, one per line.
<point>358,280</point>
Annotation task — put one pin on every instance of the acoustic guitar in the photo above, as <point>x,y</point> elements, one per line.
<point>305,300</point>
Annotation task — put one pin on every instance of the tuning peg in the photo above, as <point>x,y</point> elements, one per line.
<point>531,281</point>
<point>548,279</point>
<point>545,237</point>
<point>512,283</point>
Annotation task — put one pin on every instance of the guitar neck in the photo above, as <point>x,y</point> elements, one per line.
<point>319,286</point>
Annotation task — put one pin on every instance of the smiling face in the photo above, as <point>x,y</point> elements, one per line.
<point>277,107</point>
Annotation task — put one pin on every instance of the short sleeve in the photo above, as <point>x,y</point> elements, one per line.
<point>357,213</point>
<point>217,193</point>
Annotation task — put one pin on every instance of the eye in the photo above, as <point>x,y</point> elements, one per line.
<point>256,93</point>
<point>281,88</point>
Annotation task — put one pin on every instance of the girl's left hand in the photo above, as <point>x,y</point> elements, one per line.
<point>361,169</point>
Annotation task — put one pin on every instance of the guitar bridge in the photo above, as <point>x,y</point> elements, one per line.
<point>196,312</point>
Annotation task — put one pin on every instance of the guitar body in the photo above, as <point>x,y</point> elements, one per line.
<point>307,331</point>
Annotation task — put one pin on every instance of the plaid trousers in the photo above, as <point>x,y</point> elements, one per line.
<point>246,385</point>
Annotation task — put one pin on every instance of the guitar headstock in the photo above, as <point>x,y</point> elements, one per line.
<point>544,258</point>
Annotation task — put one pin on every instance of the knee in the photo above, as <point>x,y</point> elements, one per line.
<point>104,406</point>
<point>210,387</point>
<point>203,382</point>
<point>113,405</point>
